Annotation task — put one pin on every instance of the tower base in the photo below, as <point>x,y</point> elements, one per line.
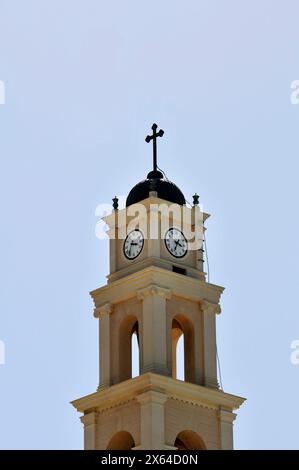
<point>144,412</point>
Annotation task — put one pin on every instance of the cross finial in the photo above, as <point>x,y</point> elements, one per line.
<point>153,137</point>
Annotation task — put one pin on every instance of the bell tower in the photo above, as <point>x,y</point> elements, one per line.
<point>157,290</point>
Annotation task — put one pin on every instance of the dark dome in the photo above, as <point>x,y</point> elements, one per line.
<point>155,182</point>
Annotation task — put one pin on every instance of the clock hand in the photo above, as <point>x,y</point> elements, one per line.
<point>177,243</point>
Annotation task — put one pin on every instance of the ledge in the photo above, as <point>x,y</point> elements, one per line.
<point>172,388</point>
<point>181,286</point>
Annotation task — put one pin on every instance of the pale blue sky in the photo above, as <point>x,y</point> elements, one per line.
<point>84,82</point>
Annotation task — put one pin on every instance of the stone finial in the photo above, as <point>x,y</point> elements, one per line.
<point>195,199</point>
<point>115,203</point>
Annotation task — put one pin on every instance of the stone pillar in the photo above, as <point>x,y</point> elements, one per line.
<point>113,252</point>
<point>209,343</point>
<point>154,340</point>
<point>103,313</point>
<point>197,218</point>
<point>152,425</point>
<point>226,419</point>
<point>153,230</point>
<point>89,421</point>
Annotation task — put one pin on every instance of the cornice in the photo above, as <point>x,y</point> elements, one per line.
<point>180,286</point>
<point>171,388</point>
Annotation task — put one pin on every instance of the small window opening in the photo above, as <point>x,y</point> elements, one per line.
<point>177,269</point>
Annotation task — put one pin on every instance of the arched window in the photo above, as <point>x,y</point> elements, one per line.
<point>180,358</point>
<point>189,440</point>
<point>183,366</point>
<point>135,352</point>
<point>122,440</point>
<point>178,367</point>
<point>127,331</point>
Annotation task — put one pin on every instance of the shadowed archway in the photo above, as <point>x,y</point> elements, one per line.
<point>189,440</point>
<point>181,325</point>
<point>122,440</point>
<point>128,328</point>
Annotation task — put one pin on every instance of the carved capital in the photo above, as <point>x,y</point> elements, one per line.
<point>226,416</point>
<point>103,310</point>
<point>154,290</point>
<point>209,307</point>
<point>89,418</point>
<point>152,396</point>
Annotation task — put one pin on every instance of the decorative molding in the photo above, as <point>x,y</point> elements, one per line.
<point>116,405</point>
<point>156,368</point>
<point>185,287</point>
<point>194,403</point>
<point>103,310</point>
<point>154,290</point>
<point>130,389</point>
<point>209,307</point>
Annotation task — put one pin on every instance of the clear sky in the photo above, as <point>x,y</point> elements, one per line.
<point>84,82</point>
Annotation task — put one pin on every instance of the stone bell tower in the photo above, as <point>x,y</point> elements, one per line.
<point>157,289</point>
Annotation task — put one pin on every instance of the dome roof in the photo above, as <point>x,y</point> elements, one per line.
<point>155,182</point>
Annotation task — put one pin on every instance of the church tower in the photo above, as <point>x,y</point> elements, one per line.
<point>157,290</point>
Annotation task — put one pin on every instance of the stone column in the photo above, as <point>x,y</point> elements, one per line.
<point>152,420</point>
<point>226,419</point>
<point>103,313</point>
<point>154,340</point>
<point>197,217</point>
<point>89,421</point>
<point>153,229</point>
<point>209,343</point>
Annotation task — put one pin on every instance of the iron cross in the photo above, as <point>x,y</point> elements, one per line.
<point>153,137</point>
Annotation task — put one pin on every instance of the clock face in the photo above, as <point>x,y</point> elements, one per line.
<point>176,243</point>
<point>133,244</point>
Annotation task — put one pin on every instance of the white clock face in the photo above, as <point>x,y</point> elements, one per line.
<point>133,244</point>
<point>176,243</point>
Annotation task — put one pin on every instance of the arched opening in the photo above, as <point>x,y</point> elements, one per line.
<point>122,440</point>
<point>183,366</point>
<point>180,358</point>
<point>128,337</point>
<point>135,351</point>
<point>189,440</point>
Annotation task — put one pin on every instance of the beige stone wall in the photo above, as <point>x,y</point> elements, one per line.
<point>180,416</point>
<point>125,417</point>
